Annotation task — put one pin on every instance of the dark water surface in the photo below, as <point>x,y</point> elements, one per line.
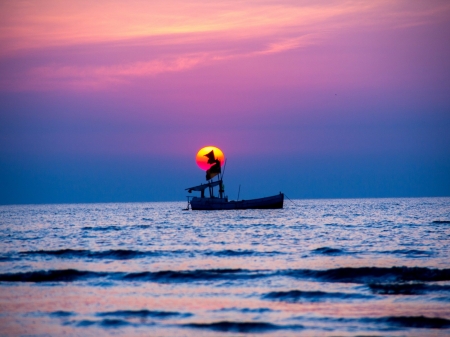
<point>318,268</point>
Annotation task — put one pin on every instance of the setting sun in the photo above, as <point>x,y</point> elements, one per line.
<point>202,160</point>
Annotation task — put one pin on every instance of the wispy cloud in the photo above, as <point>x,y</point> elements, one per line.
<point>172,36</point>
<point>93,77</point>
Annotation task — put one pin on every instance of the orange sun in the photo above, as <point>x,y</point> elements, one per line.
<point>202,160</point>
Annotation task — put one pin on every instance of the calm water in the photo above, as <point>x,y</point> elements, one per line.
<point>320,267</point>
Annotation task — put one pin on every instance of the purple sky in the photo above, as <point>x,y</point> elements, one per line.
<point>319,99</point>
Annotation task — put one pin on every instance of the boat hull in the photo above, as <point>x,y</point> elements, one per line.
<point>271,202</point>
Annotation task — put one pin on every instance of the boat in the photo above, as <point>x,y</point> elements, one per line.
<point>219,201</point>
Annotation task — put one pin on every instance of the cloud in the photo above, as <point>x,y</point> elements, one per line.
<point>84,45</point>
<point>89,77</point>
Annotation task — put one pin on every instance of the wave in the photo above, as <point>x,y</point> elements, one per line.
<point>442,298</point>
<point>121,318</point>
<point>7,259</point>
<point>143,314</point>
<point>407,288</point>
<point>387,322</point>
<point>71,275</point>
<point>409,252</point>
<point>102,228</point>
<point>193,275</point>
<point>140,226</point>
<point>396,322</point>
<point>364,275</point>
<point>329,251</point>
<point>312,296</point>
<point>61,313</point>
<point>124,254</point>
<point>373,274</point>
<point>421,322</point>
<point>441,221</point>
<point>113,254</point>
<point>242,327</point>
<point>105,323</point>
<point>247,310</point>
<point>244,252</point>
<point>223,326</point>
<point>63,275</point>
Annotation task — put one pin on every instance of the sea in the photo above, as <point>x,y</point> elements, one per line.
<point>343,267</point>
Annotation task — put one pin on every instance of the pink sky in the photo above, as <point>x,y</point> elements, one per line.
<point>108,45</point>
<point>147,78</point>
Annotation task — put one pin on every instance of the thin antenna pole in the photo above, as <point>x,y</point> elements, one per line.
<point>239,192</point>
<point>224,167</point>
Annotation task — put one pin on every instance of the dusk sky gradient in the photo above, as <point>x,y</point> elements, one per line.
<point>110,101</point>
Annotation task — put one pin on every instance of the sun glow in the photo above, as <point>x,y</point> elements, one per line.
<point>202,160</point>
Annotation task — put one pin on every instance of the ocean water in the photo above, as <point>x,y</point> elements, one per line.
<point>378,267</point>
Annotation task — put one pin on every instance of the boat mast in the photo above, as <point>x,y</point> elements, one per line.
<point>211,189</point>
<point>221,189</point>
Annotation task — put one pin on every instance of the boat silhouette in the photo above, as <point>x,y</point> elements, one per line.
<point>219,201</point>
